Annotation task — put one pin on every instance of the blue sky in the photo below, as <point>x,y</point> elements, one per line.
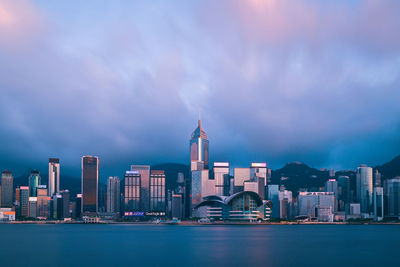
<point>275,81</point>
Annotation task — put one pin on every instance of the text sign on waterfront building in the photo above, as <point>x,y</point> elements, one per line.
<point>258,165</point>
<point>134,213</point>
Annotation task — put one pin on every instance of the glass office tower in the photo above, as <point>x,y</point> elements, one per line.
<point>199,149</point>
<point>113,194</point>
<point>144,171</point>
<point>157,191</point>
<point>132,185</point>
<point>54,176</point>
<point>90,182</point>
<point>34,182</point>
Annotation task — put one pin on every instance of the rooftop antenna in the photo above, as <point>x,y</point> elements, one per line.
<point>199,120</point>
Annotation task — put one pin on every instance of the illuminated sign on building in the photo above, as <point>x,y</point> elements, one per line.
<point>259,165</point>
<point>134,213</point>
<point>155,213</point>
<point>132,172</point>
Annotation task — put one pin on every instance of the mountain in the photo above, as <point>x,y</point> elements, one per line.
<point>391,169</point>
<point>296,175</point>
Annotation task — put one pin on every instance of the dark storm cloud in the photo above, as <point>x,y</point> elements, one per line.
<point>275,81</point>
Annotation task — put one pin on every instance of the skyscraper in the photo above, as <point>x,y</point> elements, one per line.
<point>132,191</point>
<point>24,201</point>
<point>343,192</point>
<point>392,197</point>
<point>90,182</point>
<point>7,188</point>
<point>157,191</point>
<point>144,172</point>
<point>54,176</point>
<point>113,194</point>
<point>221,172</point>
<point>365,188</point>
<point>199,149</point>
<point>34,182</point>
<point>378,203</point>
<point>258,170</point>
<point>42,201</point>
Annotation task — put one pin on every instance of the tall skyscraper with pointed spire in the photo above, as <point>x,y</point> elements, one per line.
<point>199,149</point>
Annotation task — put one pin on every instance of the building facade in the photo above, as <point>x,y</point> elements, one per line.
<point>34,182</point>
<point>113,195</point>
<point>90,182</point>
<point>365,189</point>
<point>221,175</point>
<point>54,176</point>
<point>7,188</point>
<point>144,172</point>
<point>199,149</point>
<point>132,186</point>
<point>157,191</point>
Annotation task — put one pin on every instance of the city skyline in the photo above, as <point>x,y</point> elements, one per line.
<point>311,82</point>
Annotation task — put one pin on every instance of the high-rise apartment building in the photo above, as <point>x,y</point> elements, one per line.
<point>90,183</point>
<point>365,189</point>
<point>144,172</point>
<point>113,195</point>
<point>34,182</point>
<point>54,176</point>
<point>157,191</point>
<point>7,188</point>
<point>132,190</point>
<point>199,149</point>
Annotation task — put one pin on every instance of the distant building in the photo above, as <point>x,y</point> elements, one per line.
<point>256,186</point>
<point>113,195</point>
<point>377,179</point>
<point>343,192</point>
<point>66,196</point>
<point>42,201</point>
<point>240,175</point>
<point>34,182</point>
<point>32,207</point>
<point>202,186</point>
<point>144,172</point>
<point>273,196</point>
<point>90,182</point>
<point>7,189</point>
<point>157,191</point>
<point>319,205</point>
<point>365,189</point>
<point>285,204</point>
<point>7,215</point>
<point>54,176</point>
<point>132,186</point>
<point>353,211</point>
<point>78,204</point>
<point>241,206</point>
<point>392,197</point>
<point>378,204</point>
<point>198,149</point>
<point>24,201</point>
<point>259,170</point>
<point>221,175</point>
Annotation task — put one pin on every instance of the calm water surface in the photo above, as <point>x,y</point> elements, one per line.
<point>168,245</point>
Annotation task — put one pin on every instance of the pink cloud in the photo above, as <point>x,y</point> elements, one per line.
<point>21,23</point>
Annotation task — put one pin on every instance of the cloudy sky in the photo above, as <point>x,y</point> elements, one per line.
<point>274,81</point>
